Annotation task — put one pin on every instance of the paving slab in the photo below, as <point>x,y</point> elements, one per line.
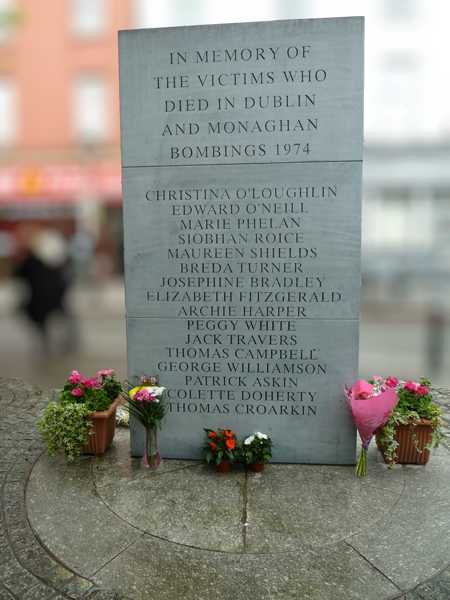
<point>294,505</point>
<point>163,571</point>
<point>68,517</point>
<point>412,542</point>
<point>185,506</point>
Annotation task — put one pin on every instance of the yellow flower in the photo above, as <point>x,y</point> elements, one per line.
<point>135,390</point>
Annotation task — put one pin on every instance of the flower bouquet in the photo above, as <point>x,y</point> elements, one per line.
<point>371,403</point>
<point>220,448</point>
<point>145,403</point>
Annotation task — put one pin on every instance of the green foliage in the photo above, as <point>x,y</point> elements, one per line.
<point>410,408</point>
<point>258,449</point>
<point>111,387</point>
<point>65,427</point>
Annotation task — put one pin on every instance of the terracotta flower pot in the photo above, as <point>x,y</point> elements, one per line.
<point>103,429</point>
<point>257,467</point>
<point>410,438</point>
<point>224,466</point>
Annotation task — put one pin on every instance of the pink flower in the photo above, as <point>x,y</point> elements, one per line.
<point>75,378</point>
<point>105,373</point>
<point>362,389</point>
<point>422,390</point>
<point>377,377</point>
<point>411,386</point>
<point>145,395</point>
<point>392,382</point>
<point>91,383</point>
<point>77,392</point>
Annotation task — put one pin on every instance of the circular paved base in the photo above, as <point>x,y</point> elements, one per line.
<point>295,531</point>
<point>286,506</point>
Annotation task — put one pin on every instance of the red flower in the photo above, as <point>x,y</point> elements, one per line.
<point>392,382</point>
<point>212,435</point>
<point>213,446</point>
<point>411,386</point>
<point>230,443</point>
<point>422,390</point>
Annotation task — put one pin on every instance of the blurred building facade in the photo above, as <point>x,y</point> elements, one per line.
<point>59,126</point>
<point>406,193</point>
<point>59,131</point>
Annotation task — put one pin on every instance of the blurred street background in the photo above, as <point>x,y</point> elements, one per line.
<point>60,190</point>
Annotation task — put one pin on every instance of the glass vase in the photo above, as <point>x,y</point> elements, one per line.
<point>151,458</point>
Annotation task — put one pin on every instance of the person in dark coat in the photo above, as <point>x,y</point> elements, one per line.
<point>46,273</point>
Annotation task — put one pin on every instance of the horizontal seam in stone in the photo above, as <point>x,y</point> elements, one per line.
<point>246,164</point>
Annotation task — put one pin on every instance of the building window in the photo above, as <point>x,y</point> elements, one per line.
<point>90,109</point>
<point>8,111</point>
<point>88,17</point>
<point>400,10</point>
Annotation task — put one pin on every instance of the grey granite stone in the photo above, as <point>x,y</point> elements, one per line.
<point>242,181</point>
<point>335,45</point>
<point>165,571</point>
<point>331,226</point>
<point>5,594</point>
<point>20,583</point>
<point>119,468</point>
<point>78,587</point>
<point>292,506</point>
<point>438,588</point>
<point>38,592</point>
<point>412,542</point>
<point>70,519</point>
<point>196,507</point>
<point>103,595</point>
<point>315,426</point>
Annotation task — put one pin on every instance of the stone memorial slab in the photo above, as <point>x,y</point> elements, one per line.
<point>242,155</point>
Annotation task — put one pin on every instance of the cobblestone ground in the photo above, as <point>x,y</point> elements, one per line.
<point>27,570</point>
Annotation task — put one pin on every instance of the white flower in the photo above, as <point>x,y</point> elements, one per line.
<point>158,391</point>
<point>249,440</point>
<point>261,436</point>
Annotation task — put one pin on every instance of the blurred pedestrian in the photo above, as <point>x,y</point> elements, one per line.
<point>435,338</point>
<point>45,270</point>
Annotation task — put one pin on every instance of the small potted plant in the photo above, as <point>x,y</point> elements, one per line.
<point>255,451</point>
<point>220,449</point>
<point>414,426</point>
<point>83,420</point>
